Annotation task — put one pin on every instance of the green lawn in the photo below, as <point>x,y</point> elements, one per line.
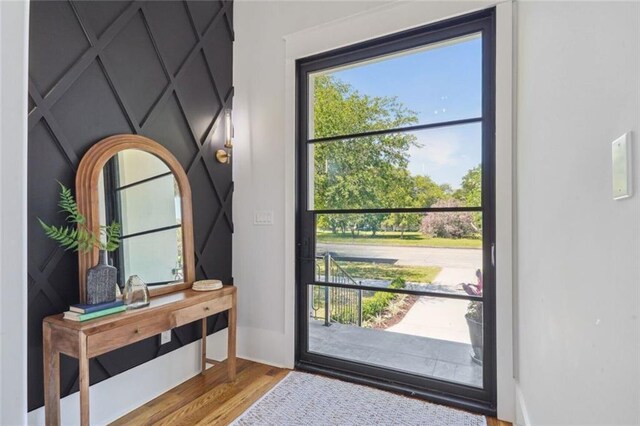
<point>385,271</point>
<point>393,238</point>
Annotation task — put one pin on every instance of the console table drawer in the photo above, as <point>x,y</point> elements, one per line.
<point>201,310</point>
<point>108,340</point>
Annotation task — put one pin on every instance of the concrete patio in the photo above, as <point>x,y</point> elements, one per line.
<point>425,356</point>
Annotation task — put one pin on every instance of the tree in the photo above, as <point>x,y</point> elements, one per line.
<point>365,172</point>
<point>403,191</point>
<point>355,173</point>
<point>447,189</point>
<point>427,192</point>
<point>470,194</point>
<point>471,191</point>
<point>338,109</point>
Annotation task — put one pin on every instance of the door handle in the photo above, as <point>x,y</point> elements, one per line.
<point>493,254</point>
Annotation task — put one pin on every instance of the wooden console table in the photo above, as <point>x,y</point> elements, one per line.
<point>85,340</point>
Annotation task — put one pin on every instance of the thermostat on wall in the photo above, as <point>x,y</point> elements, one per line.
<point>621,166</point>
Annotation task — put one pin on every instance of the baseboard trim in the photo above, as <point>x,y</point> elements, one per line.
<point>262,361</point>
<point>522,414</point>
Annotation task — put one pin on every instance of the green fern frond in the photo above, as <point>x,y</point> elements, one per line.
<point>65,236</point>
<point>68,205</point>
<point>78,237</point>
<point>112,234</point>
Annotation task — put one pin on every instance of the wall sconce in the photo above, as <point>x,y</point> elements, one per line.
<point>224,156</point>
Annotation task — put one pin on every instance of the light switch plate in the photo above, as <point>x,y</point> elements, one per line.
<point>621,167</point>
<point>263,217</point>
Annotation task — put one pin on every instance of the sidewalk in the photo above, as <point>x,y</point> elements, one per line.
<point>440,318</point>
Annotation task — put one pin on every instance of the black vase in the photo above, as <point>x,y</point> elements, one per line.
<point>101,281</point>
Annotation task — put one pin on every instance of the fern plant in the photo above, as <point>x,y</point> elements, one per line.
<point>77,236</point>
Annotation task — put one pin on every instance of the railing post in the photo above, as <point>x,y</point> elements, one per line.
<point>360,307</point>
<point>312,302</point>
<point>327,298</point>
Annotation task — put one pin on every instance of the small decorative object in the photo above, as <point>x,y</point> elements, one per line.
<point>101,279</point>
<point>136,293</point>
<point>207,285</point>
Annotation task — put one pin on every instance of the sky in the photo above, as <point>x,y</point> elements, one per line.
<point>442,83</point>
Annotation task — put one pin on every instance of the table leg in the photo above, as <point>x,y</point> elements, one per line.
<point>84,381</point>
<point>51,358</point>
<point>204,344</point>
<point>231,345</point>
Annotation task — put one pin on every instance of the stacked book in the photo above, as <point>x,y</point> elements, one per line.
<point>87,312</point>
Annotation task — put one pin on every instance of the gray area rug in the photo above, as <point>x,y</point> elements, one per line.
<point>307,399</point>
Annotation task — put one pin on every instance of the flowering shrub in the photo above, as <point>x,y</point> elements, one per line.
<point>449,224</point>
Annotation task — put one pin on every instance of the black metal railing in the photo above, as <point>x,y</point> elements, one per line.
<point>335,304</point>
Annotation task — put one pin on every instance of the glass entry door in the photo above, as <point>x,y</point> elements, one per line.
<point>395,273</point>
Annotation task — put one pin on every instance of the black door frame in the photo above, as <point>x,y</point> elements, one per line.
<point>455,394</point>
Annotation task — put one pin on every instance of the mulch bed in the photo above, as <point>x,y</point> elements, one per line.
<point>408,302</point>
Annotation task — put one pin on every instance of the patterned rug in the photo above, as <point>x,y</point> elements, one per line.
<point>306,399</point>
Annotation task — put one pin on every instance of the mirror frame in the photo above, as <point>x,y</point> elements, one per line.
<point>87,180</point>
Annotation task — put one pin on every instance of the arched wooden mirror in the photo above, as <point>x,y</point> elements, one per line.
<point>138,183</point>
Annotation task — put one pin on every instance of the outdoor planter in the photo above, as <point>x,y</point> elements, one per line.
<point>475,333</point>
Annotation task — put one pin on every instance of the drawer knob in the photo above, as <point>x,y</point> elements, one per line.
<point>206,308</point>
<point>137,330</point>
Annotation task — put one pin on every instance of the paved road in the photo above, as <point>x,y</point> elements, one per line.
<point>423,256</point>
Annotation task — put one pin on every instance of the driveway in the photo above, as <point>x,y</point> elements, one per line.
<point>458,264</point>
<point>422,256</point>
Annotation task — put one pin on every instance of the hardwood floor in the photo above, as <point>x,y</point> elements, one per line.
<point>211,400</point>
<point>492,421</point>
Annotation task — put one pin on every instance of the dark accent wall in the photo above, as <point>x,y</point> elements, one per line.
<point>162,69</point>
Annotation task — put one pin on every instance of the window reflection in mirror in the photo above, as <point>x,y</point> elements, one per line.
<point>138,190</point>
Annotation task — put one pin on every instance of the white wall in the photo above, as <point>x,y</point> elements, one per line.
<point>579,251</point>
<point>13,212</point>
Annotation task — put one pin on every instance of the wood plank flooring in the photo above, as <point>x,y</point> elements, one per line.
<point>210,400</point>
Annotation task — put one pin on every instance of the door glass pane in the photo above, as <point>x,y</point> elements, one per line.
<point>428,336</point>
<point>434,83</point>
<point>435,252</point>
<point>398,170</point>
